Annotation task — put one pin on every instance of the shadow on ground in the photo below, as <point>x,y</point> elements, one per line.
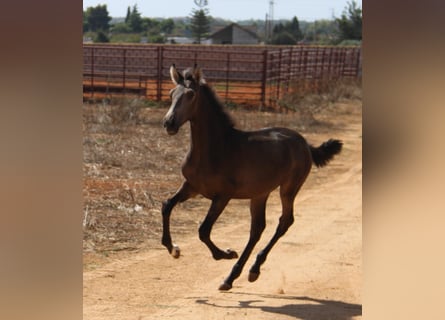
<point>305,308</point>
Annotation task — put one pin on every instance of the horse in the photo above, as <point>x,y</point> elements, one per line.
<point>225,163</point>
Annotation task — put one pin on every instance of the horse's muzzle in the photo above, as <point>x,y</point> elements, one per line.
<point>170,126</point>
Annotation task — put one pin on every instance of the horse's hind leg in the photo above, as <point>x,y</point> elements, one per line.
<point>216,208</point>
<point>286,220</point>
<point>258,223</point>
<point>184,193</point>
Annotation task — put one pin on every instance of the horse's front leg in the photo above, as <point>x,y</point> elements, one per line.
<point>184,193</point>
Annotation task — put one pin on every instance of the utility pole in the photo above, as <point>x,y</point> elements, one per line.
<point>270,26</point>
<point>201,3</point>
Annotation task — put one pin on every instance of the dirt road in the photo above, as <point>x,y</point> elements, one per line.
<point>314,271</point>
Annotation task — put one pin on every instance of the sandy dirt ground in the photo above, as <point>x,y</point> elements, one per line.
<point>313,272</point>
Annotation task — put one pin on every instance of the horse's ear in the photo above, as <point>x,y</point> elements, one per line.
<point>198,75</point>
<point>175,75</point>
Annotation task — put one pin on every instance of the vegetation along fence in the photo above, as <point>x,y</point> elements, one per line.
<point>251,75</point>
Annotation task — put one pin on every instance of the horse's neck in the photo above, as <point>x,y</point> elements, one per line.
<point>208,135</point>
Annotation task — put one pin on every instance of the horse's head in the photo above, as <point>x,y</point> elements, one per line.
<point>183,97</point>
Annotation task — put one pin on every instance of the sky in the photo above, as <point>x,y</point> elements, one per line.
<point>308,10</point>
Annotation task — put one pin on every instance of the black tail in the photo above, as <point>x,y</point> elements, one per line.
<point>324,153</point>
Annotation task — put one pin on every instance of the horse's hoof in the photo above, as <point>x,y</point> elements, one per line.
<point>231,254</point>
<point>253,276</point>
<point>176,252</point>
<point>225,287</point>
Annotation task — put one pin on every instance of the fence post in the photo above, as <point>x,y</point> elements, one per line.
<point>159,86</point>
<point>343,62</point>
<point>279,75</point>
<point>358,71</point>
<point>124,67</point>
<point>289,70</point>
<point>329,69</point>
<point>227,75</point>
<point>263,81</point>
<point>322,75</point>
<point>92,72</point>
<point>305,68</point>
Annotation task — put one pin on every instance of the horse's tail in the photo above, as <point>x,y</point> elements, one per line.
<point>325,152</point>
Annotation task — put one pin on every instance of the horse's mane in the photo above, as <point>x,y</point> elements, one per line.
<point>223,117</point>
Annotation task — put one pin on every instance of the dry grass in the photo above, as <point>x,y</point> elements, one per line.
<point>309,99</point>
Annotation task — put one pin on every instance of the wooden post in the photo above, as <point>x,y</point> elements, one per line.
<point>92,72</point>
<point>279,75</point>
<point>227,75</point>
<point>160,79</point>
<point>264,80</point>
<point>124,67</point>
<point>358,72</point>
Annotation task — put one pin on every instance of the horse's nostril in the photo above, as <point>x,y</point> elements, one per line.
<point>168,122</point>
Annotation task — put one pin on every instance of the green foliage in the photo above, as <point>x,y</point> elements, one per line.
<point>346,43</point>
<point>294,28</point>
<point>350,23</point>
<point>121,27</point>
<point>167,26</point>
<point>135,20</point>
<point>127,17</point>
<point>85,26</point>
<point>283,38</point>
<point>200,24</point>
<point>125,37</point>
<point>96,18</point>
<point>101,37</point>
<point>288,33</point>
<point>156,39</point>
<point>150,25</point>
<point>321,32</point>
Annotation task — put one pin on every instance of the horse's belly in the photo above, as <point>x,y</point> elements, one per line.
<point>247,181</point>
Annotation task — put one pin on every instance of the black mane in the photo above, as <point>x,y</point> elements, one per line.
<point>217,106</point>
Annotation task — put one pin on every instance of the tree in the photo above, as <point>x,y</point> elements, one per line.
<point>200,24</point>
<point>151,25</point>
<point>127,17</point>
<point>167,26</point>
<point>85,26</point>
<point>350,23</point>
<point>283,38</point>
<point>135,20</point>
<point>321,32</point>
<point>121,27</point>
<point>294,28</point>
<point>278,28</point>
<point>287,34</point>
<point>97,18</point>
<point>101,37</point>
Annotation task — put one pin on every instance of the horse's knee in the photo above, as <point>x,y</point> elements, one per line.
<point>261,225</point>
<point>255,235</point>
<point>290,221</point>
<point>286,222</point>
<point>166,207</point>
<point>204,233</point>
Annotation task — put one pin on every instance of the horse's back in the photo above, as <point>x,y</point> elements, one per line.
<point>282,144</point>
<point>265,159</point>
